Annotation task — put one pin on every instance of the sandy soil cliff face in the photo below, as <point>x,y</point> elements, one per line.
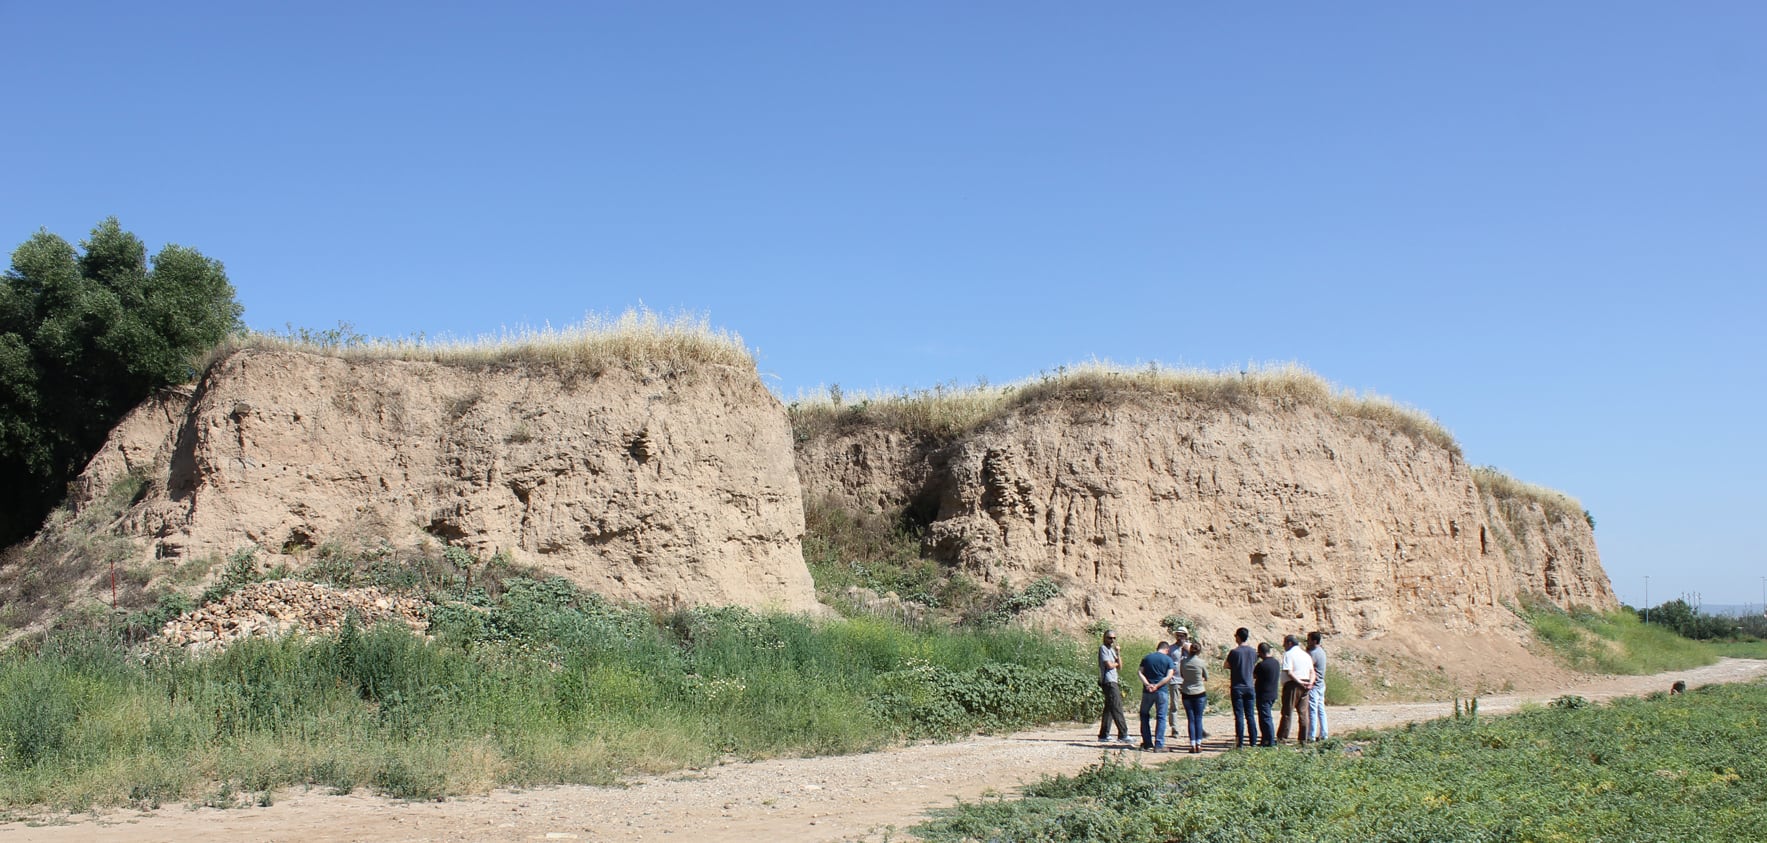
<point>1275,517</point>
<point>670,489</point>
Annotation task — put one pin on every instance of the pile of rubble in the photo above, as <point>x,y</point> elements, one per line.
<point>285,606</point>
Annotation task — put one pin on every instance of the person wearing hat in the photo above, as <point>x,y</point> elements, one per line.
<point>1110,658</point>
<point>1176,706</point>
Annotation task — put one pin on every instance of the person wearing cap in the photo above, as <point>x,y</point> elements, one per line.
<point>1176,704</point>
<point>1110,658</point>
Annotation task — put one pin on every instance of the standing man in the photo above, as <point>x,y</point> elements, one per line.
<point>1176,705</point>
<point>1297,677</point>
<point>1242,688</point>
<point>1266,679</point>
<point>1109,659</point>
<point>1316,693</point>
<point>1156,673</point>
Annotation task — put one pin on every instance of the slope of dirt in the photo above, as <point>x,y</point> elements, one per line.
<point>671,488</point>
<point>871,796</point>
<point>1143,504</point>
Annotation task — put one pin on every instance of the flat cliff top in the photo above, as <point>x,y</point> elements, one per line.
<point>948,411</point>
<point>637,340</point>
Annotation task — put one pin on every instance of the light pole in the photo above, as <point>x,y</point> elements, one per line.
<point>1647,598</point>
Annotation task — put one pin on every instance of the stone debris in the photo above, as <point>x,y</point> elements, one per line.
<point>287,606</point>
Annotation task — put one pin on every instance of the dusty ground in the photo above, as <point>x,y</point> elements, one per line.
<point>868,796</point>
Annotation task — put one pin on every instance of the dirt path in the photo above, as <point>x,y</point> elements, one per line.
<point>867,796</point>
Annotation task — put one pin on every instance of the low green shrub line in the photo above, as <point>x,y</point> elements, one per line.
<point>542,684</point>
<point>1668,768</point>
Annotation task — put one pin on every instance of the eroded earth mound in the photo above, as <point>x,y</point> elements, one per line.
<point>671,488</point>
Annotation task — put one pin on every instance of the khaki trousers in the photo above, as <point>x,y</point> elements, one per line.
<point>1294,699</point>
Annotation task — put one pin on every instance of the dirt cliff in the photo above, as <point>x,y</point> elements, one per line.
<point>670,486</point>
<point>1256,507</point>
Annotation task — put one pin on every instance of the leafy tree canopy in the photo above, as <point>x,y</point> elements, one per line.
<point>85,335</point>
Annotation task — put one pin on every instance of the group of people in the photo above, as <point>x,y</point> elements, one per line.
<point>1174,674</point>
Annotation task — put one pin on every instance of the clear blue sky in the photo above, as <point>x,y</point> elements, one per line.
<point>1545,224</point>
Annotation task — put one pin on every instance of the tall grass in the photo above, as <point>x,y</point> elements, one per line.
<point>1612,642</point>
<point>952,410</point>
<point>1509,493</point>
<point>44,575</point>
<point>543,684</point>
<point>637,339</point>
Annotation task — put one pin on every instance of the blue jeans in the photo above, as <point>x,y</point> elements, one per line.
<point>1266,726</point>
<point>1193,716</point>
<point>1153,705</point>
<point>1316,711</point>
<point>1245,718</point>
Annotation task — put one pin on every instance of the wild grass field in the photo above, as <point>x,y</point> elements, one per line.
<point>1664,768</point>
<point>1616,641</point>
<point>638,338</point>
<point>540,684</point>
<point>949,410</point>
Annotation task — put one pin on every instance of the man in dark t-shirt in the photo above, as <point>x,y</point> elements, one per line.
<point>1156,672</point>
<point>1242,688</point>
<point>1266,682</point>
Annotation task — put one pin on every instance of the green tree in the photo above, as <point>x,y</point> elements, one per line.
<point>85,335</point>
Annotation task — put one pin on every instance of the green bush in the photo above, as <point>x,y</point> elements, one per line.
<point>85,335</point>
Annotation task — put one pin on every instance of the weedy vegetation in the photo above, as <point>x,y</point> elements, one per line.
<point>538,683</point>
<point>1687,767</point>
<point>638,340</point>
<point>1611,642</point>
<point>949,410</point>
<point>1514,497</point>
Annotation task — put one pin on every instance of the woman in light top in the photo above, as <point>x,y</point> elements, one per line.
<point>1192,673</point>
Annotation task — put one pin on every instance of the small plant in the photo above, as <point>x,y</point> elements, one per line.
<point>1011,603</point>
<point>241,570</point>
<point>1174,621</point>
<point>1568,702</point>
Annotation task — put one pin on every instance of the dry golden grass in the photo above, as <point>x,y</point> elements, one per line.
<point>951,410</point>
<point>1509,492</point>
<point>636,340</point>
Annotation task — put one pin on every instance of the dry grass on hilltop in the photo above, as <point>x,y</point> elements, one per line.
<point>638,340</point>
<point>950,410</point>
<point>1508,491</point>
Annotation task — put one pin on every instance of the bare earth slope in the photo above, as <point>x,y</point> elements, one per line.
<point>669,488</point>
<point>809,799</point>
<point>1281,517</point>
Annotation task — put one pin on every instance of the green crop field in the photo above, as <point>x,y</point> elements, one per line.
<point>1668,768</point>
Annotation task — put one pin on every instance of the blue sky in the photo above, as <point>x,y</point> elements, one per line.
<point>1545,224</point>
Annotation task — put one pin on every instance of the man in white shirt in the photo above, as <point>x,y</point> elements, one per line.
<point>1297,677</point>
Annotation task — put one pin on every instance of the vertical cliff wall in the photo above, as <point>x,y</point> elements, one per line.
<point>1268,512</point>
<point>670,487</point>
